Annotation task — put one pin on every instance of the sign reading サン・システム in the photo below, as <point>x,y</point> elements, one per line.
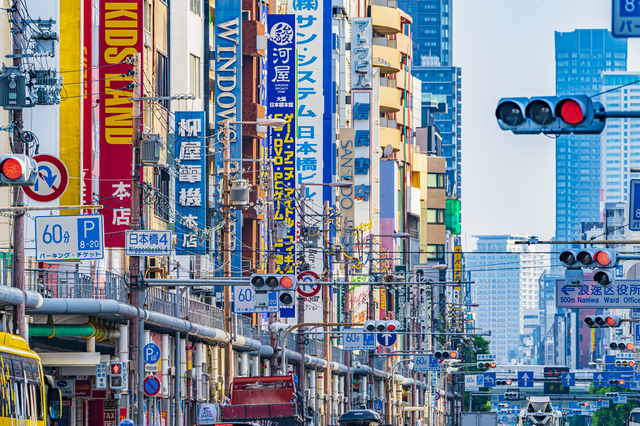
<point>120,38</point>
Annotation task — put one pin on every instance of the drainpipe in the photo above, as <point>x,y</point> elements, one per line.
<point>336,390</point>
<point>341,394</point>
<point>312,389</point>
<point>183,367</point>
<point>164,365</point>
<point>123,356</point>
<point>91,344</point>
<point>72,330</point>
<point>255,361</point>
<point>197,370</point>
<point>215,367</point>
<point>244,364</point>
<point>267,370</point>
<point>320,391</point>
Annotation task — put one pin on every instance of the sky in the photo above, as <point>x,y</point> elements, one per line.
<point>506,48</point>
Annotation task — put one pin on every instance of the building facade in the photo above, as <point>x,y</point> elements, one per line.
<point>506,276</point>
<point>581,58</point>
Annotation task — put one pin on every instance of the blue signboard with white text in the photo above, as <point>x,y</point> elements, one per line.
<point>228,107</point>
<point>634,203</point>
<point>191,191</point>
<point>281,142</point>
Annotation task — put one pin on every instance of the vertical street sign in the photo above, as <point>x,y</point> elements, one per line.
<point>634,202</point>
<point>625,18</point>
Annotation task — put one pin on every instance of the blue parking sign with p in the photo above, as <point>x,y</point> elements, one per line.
<point>151,353</point>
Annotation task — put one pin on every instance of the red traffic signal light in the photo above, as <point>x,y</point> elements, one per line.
<point>12,168</point>
<point>17,170</point>
<point>570,111</point>
<point>115,369</point>
<point>613,321</point>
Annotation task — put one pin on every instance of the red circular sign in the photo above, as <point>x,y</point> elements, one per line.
<point>151,386</point>
<point>308,290</point>
<point>52,180</point>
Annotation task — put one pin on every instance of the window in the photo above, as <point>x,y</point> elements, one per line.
<point>195,76</point>
<point>435,216</point>
<point>435,180</point>
<point>162,78</point>
<point>435,251</point>
<point>195,6</point>
<point>161,180</point>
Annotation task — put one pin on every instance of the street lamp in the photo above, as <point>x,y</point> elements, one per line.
<point>226,234</point>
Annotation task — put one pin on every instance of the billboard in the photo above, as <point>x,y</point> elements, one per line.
<point>190,185</point>
<point>121,37</point>
<point>281,103</point>
<point>228,106</point>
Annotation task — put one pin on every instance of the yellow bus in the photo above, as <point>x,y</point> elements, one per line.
<point>24,390</point>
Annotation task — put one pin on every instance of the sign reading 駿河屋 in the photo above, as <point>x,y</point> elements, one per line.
<point>281,81</point>
<point>620,294</point>
<point>314,138</point>
<point>228,107</point>
<point>190,185</point>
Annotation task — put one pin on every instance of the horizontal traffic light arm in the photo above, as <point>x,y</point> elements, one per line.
<point>603,115</point>
<point>590,242</point>
<point>42,208</point>
<point>243,282</point>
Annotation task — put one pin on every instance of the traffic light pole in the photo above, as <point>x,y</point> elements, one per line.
<point>301,299</point>
<point>370,317</point>
<point>226,260</point>
<point>19,320</point>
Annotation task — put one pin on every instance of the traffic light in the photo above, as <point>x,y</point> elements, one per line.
<point>486,365</point>
<point>619,346</point>
<point>285,285</point>
<point>583,404</point>
<point>624,363</point>
<point>606,260</point>
<point>18,170</point>
<point>503,382</point>
<point>550,115</point>
<point>573,275</point>
<point>512,394</point>
<point>612,394</point>
<point>586,258</point>
<point>116,375</point>
<point>386,326</point>
<point>370,326</point>
<point>445,355</point>
<point>618,382</point>
<point>599,321</point>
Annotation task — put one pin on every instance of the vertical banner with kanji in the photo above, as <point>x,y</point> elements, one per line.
<point>190,184</point>
<point>121,37</point>
<point>281,103</point>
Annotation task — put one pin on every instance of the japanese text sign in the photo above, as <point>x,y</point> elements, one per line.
<point>361,57</point>
<point>190,184</point>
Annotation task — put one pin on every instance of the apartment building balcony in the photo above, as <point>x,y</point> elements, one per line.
<point>385,19</point>
<point>389,99</point>
<point>251,29</point>
<point>387,59</point>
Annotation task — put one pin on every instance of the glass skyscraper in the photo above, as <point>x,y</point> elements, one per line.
<point>581,58</point>
<point>431,30</point>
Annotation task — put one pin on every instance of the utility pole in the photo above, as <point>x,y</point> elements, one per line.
<point>138,293</point>
<point>326,317</point>
<point>371,316</point>
<point>347,318</point>
<point>301,299</point>
<point>226,258</point>
<point>19,320</point>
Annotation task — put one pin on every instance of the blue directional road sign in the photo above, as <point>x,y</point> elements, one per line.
<point>387,339</point>
<point>525,379</point>
<point>568,379</point>
<point>66,238</point>
<point>622,399</point>
<point>574,405</point>
<point>378,404</point>
<point>636,333</point>
<point>151,353</point>
<point>489,380</point>
<point>621,294</point>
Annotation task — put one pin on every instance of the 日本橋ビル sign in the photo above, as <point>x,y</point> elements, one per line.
<point>228,107</point>
<point>315,136</point>
<point>190,184</point>
<point>120,38</point>
<point>281,81</point>
<point>620,294</point>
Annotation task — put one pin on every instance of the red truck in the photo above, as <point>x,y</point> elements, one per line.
<point>269,401</point>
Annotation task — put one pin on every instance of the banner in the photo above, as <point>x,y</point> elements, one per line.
<point>281,89</point>
<point>190,194</point>
<point>228,107</point>
<point>89,86</point>
<point>315,136</point>
<point>121,37</point>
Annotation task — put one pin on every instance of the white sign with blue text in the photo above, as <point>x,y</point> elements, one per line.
<point>101,376</point>
<point>67,238</point>
<point>473,382</point>
<point>356,340</point>
<point>620,294</point>
<point>243,301</point>
<point>148,243</point>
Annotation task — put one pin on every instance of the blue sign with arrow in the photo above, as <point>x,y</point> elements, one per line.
<point>568,379</point>
<point>525,379</point>
<point>387,339</point>
<point>489,380</point>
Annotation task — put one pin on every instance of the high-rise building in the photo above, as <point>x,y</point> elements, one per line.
<point>581,58</point>
<point>506,278</point>
<point>620,140</point>
<point>432,30</point>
